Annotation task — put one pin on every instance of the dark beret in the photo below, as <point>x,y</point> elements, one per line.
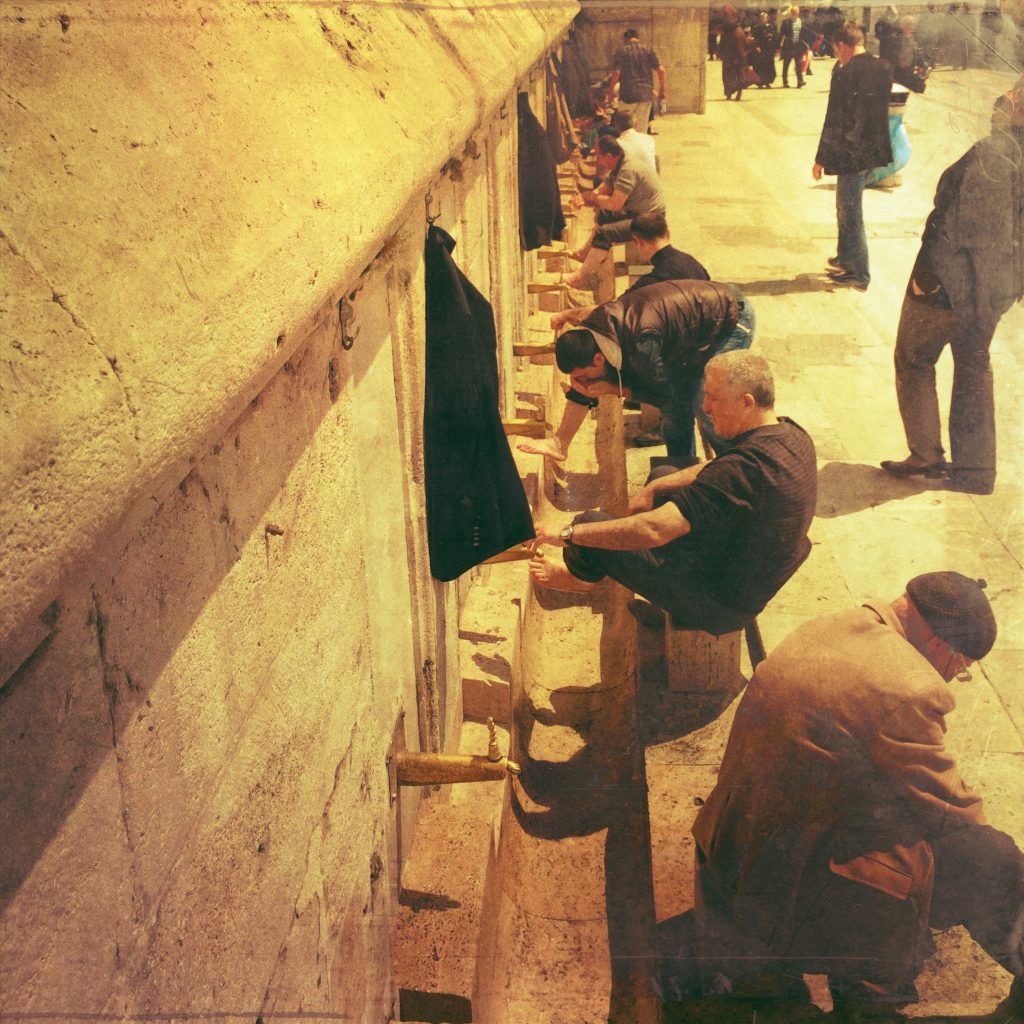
<point>957,610</point>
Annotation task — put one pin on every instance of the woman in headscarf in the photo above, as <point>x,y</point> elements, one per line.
<point>732,48</point>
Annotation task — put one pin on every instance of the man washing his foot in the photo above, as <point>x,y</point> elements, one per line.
<point>710,544</point>
<point>650,345</point>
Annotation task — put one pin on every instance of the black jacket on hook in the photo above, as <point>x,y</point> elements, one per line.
<point>476,505</point>
<point>541,220</point>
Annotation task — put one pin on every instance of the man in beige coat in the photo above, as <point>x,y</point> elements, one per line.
<point>840,826</point>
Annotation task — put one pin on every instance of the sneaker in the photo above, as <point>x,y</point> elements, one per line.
<point>908,467</point>
<point>649,440</point>
<point>850,278</point>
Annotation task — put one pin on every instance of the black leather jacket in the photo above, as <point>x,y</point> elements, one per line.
<point>667,332</point>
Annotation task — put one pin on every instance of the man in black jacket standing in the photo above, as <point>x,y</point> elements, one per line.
<point>854,139</point>
<point>968,273</point>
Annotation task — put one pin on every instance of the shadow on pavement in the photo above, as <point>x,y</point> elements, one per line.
<point>816,282</point>
<point>847,487</point>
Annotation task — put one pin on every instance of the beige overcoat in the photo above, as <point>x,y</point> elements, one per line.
<point>834,776</point>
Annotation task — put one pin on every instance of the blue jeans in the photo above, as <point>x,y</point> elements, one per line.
<point>687,399</point>
<point>853,241</point>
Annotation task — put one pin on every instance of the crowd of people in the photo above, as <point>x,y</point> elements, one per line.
<point>841,827</point>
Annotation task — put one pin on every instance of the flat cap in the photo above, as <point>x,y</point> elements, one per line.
<point>957,610</point>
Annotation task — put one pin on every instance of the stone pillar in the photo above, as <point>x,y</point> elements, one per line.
<point>674,29</point>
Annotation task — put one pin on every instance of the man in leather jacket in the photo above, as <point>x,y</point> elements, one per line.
<point>650,345</point>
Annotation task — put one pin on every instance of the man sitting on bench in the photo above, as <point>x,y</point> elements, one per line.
<point>712,543</point>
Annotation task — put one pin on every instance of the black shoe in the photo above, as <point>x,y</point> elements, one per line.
<point>647,614</point>
<point>785,85</point>
<point>649,440</point>
<point>969,483</point>
<point>905,468</point>
<point>849,277</point>
<point>800,85</point>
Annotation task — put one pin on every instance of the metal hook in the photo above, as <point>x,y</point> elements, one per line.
<point>346,314</point>
<point>427,200</point>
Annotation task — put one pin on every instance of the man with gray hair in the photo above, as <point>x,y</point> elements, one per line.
<point>711,543</point>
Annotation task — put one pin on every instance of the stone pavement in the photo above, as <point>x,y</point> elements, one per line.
<point>741,199</point>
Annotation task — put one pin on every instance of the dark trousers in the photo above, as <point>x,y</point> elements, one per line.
<point>612,227</point>
<point>867,941</point>
<point>923,333</point>
<point>794,56</point>
<point>669,577</point>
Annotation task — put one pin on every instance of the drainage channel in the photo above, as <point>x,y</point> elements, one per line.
<point>574,930</point>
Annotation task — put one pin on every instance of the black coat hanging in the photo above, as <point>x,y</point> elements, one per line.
<point>476,505</point>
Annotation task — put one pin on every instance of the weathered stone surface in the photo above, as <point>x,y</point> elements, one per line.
<point>214,157</point>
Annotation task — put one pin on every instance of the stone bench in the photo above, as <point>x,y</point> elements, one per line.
<point>698,662</point>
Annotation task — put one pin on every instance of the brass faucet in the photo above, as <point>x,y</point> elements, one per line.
<point>420,769</point>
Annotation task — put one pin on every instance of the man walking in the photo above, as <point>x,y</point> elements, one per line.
<point>968,273</point>
<point>712,543</point>
<point>792,47</point>
<point>632,66</point>
<point>854,139</point>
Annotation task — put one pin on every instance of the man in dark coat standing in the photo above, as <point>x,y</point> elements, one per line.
<point>854,139</point>
<point>968,273</point>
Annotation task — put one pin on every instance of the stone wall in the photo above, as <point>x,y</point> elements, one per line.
<point>216,603</point>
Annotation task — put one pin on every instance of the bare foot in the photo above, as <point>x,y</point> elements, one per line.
<point>583,280</point>
<point>548,447</point>
<point>555,576</point>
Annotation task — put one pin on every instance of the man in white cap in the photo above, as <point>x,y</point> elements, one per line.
<point>840,827</point>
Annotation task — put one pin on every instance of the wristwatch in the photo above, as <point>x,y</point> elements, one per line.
<point>565,534</point>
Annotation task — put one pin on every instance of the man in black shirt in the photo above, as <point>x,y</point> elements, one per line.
<point>713,543</point>
<point>632,66</point>
<point>650,235</point>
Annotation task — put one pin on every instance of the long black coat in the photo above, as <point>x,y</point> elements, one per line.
<point>476,505</point>
<point>541,220</point>
<point>855,136</point>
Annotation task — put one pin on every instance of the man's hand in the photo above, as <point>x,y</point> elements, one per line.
<point>547,535</point>
<point>549,447</point>
<point>575,315</point>
<point>816,172</point>
<point>642,501</point>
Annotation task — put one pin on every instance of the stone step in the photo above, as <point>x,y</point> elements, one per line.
<point>441,907</point>
<point>488,640</point>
